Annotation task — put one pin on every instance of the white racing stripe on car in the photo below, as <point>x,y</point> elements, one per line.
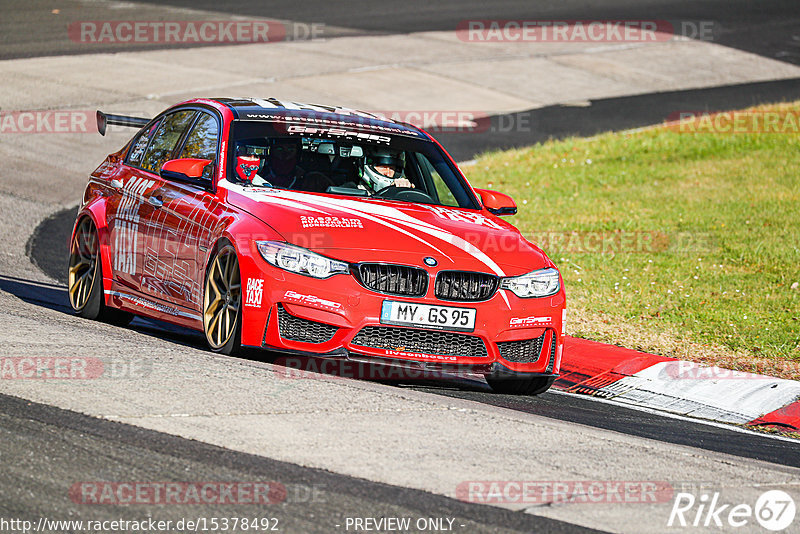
<point>304,203</point>
<point>398,216</point>
<point>370,217</point>
<point>263,103</point>
<point>412,222</point>
<point>265,197</point>
<point>369,212</point>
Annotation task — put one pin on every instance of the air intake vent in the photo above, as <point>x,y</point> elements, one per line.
<point>552,363</point>
<point>524,351</point>
<point>465,286</point>
<point>393,279</point>
<point>299,329</point>
<point>422,341</point>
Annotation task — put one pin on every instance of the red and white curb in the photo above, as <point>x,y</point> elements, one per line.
<point>676,386</point>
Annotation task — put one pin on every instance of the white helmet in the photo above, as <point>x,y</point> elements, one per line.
<point>383,158</point>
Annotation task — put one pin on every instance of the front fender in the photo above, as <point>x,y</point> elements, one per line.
<point>242,232</point>
<point>96,210</point>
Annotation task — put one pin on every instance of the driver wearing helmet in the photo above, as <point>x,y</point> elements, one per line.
<point>383,168</point>
<point>273,164</point>
<point>249,161</point>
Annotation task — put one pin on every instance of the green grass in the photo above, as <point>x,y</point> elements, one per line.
<point>725,212</point>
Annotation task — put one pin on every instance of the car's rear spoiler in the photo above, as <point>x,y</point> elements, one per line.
<point>103,120</point>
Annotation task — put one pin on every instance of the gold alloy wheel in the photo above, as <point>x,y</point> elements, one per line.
<point>223,296</point>
<point>82,264</point>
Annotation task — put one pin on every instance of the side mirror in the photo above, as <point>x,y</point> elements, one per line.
<point>185,170</point>
<point>497,203</point>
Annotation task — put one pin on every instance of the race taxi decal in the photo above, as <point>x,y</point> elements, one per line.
<point>292,296</point>
<point>126,224</point>
<point>254,292</point>
<point>330,222</point>
<point>523,322</point>
<point>465,216</point>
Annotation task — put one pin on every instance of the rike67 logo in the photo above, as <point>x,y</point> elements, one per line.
<point>774,510</point>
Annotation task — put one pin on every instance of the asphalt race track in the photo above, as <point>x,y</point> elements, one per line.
<point>340,448</point>
<point>82,448</point>
<point>47,249</point>
<point>765,28</point>
<point>768,29</point>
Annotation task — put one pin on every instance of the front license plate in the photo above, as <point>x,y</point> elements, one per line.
<point>428,316</point>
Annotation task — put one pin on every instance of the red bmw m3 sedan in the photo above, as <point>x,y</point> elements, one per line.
<point>314,230</point>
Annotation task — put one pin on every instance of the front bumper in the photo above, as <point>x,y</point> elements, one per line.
<point>338,318</point>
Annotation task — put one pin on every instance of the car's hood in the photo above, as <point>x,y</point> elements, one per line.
<point>356,229</point>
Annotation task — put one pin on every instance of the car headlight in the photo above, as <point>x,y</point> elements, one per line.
<point>541,283</point>
<point>299,260</point>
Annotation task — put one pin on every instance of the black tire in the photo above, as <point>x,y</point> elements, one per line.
<point>216,302</point>
<point>85,264</point>
<point>535,385</point>
<point>115,316</point>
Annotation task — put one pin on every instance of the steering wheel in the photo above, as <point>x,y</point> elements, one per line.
<point>325,178</point>
<point>409,194</point>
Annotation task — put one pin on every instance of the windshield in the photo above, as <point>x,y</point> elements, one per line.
<point>373,164</point>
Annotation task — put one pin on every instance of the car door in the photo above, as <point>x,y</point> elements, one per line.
<point>141,199</point>
<point>186,221</point>
<point>126,208</point>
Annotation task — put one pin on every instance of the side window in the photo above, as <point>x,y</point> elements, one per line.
<point>140,144</point>
<point>165,139</point>
<point>443,193</point>
<point>201,143</point>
